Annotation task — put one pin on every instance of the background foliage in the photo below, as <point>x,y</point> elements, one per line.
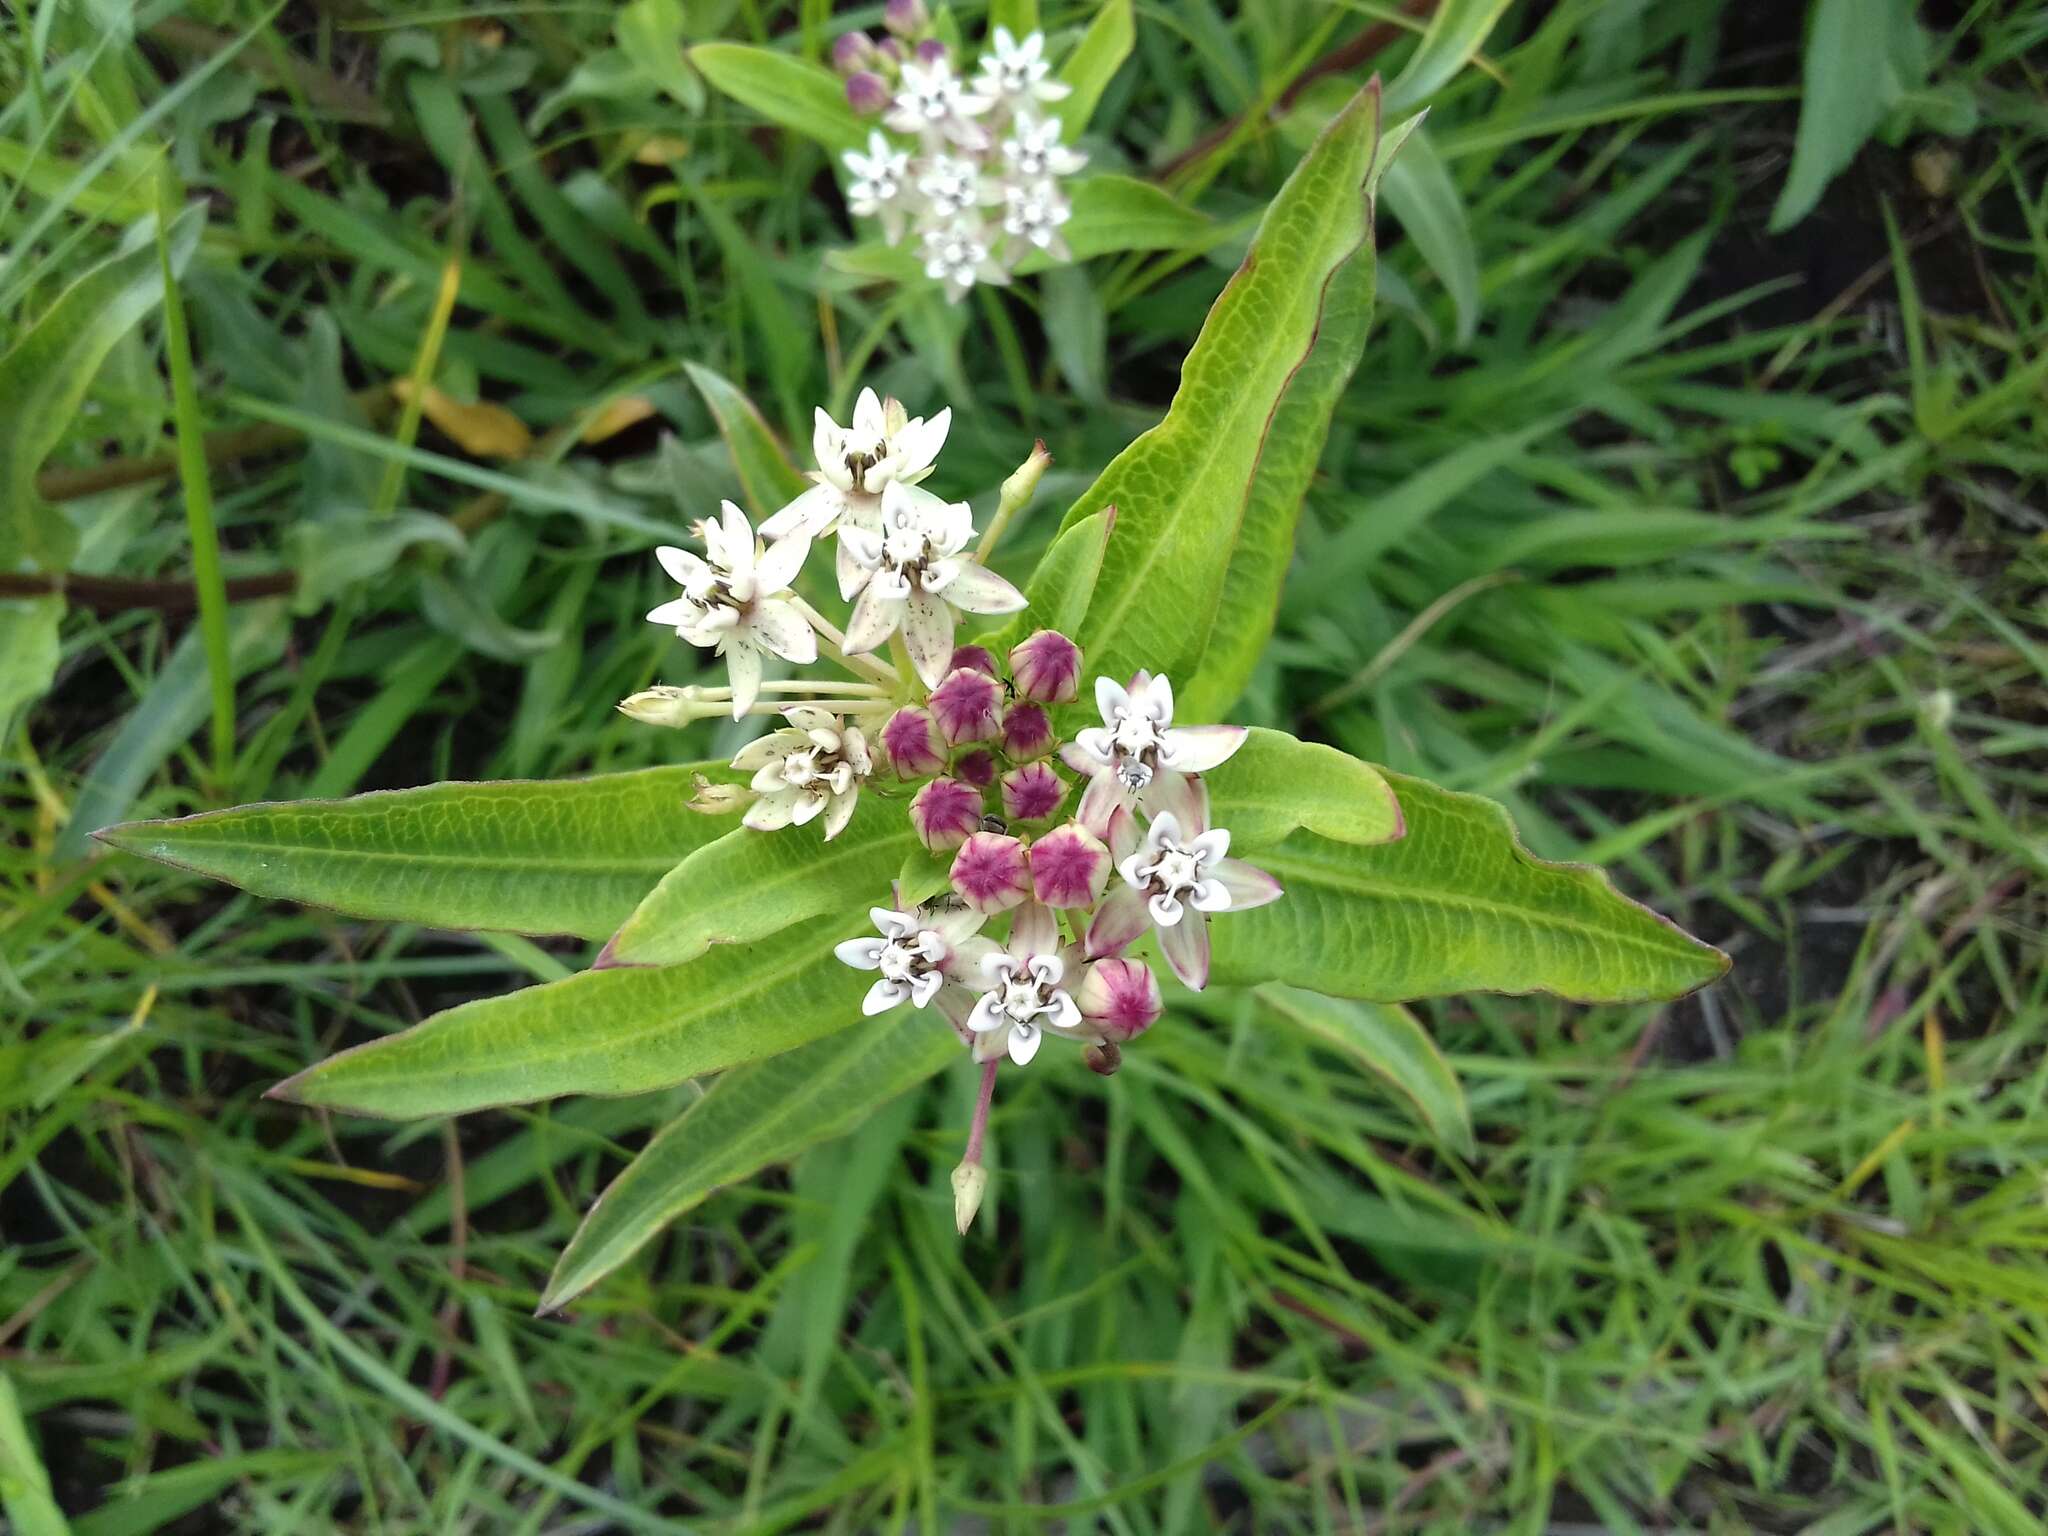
<point>1687,501</point>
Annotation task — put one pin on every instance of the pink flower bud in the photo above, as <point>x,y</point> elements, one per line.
<point>852,52</point>
<point>977,768</point>
<point>945,813</point>
<point>1046,667</point>
<point>905,17</point>
<point>931,50</point>
<point>890,50</point>
<point>991,873</point>
<point>912,744</point>
<point>1069,867</point>
<point>979,657</point>
<point>1027,733</point>
<point>1033,792</point>
<point>867,92</point>
<point>967,704</point>
<point>1120,997</point>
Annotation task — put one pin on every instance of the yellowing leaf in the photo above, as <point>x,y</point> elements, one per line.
<point>617,415</point>
<point>480,429</point>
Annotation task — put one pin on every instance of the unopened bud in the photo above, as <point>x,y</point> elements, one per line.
<point>977,657</point>
<point>1027,733</point>
<point>991,872</point>
<point>1103,1058</point>
<point>1046,666</point>
<point>945,813</point>
<point>911,743</point>
<point>712,799</point>
<point>853,52</point>
<point>977,768</point>
<point>663,705</point>
<point>970,1183</point>
<point>1024,479</point>
<point>906,18</point>
<point>867,92</point>
<point>967,705</point>
<point>931,51</point>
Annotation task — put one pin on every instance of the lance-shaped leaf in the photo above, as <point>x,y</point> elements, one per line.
<point>752,1117</point>
<point>1274,784</point>
<point>768,481</point>
<point>44,377</point>
<point>748,885</point>
<point>804,97</point>
<point>611,1031</point>
<point>1061,587</point>
<point>1094,63</point>
<point>570,856</point>
<point>1457,905</point>
<point>1208,498</point>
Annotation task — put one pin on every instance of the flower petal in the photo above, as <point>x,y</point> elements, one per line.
<point>780,562</point>
<point>882,996</point>
<point>839,813</point>
<point>1034,931</point>
<point>1193,748</point>
<point>675,613</point>
<point>918,444</point>
<point>808,516</point>
<point>743,669</point>
<point>851,574</point>
<point>986,1015</point>
<point>683,567</point>
<point>1110,696</point>
<point>1066,1013</point>
<point>1248,885</point>
<point>977,589</point>
<point>1186,948</point>
<point>772,812</point>
<point>861,954</point>
<point>1100,802</point>
<point>928,633</point>
<point>874,618</point>
<point>867,413</point>
<point>1119,922</point>
<point>1178,797</point>
<point>1024,1041</point>
<point>780,627</point>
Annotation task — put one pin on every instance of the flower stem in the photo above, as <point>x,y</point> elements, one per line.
<point>832,645</point>
<point>979,1128</point>
<point>1016,496</point>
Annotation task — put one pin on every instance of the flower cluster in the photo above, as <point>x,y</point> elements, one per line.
<point>1078,849</point>
<point>971,164</point>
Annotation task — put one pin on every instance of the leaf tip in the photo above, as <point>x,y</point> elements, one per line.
<point>290,1091</point>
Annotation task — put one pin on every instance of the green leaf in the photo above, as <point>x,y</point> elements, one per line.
<point>1062,586</point>
<point>1274,785</point>
<point>28,639</point>
<point>25,1495</point>
<point>1455,34</point>
<point>617,1031</point>
<point>569,856</point>
<point>1420,193</point>
<point>1389,1042</point>
<point>651,32</point>
<point>45,375</point>
<point>1094,63</point>
<point>803,97</point>
<point>1121,213</point>
<point>768,481</point>
<point>1852,80</point>
<point>1020,16</point>
<point>748,885</point>
<point>1208,498</point>
<point>758,1115</point>
<point>1457,905</point>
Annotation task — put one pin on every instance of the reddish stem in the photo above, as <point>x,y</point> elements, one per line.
<point>981,1104</point>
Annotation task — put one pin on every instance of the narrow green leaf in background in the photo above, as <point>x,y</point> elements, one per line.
<point>44,377</point>
<point>25,1494</point>
<point>748,885</point>
<point>1420,193</point>
<point>1456,32</point>
<point>625,1030</point>
<point>803,97</point>
<point>1094,63</point>
<point>1457,905</point>
<point>28,654</point>
<point>752,1117</point>
<point>1390,1042</point>
<point>1852,82</point>
<point>563,856</point>
<point>768,481</point>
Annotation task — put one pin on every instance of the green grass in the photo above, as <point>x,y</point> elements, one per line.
<point>1717,556</point>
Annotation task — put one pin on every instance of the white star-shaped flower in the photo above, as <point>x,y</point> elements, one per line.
<point>1033,151</point>
<point>885,444</point>
<point>1026,996</point>
<point>1138,756</point>
<point>918,954</point>
<point>813,766</point>
<point>935,104</point>
<point>1014,71</point>
<point>959,255</point>
<point>1034,215</point>
<point>881,185</point>
<point>913,572</point>
<point>1179,874</point>
<point>952,185</point>
<point>736,600</point>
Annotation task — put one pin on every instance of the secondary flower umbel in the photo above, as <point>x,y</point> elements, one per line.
<point>736,600</point>
<point>919,953</point>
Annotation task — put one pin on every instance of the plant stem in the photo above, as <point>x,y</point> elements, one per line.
<point>208,584</point>
<point>979,1128</point>
<point>833,646</point>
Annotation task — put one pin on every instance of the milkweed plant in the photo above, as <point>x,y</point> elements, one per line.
<point>987,814</point>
